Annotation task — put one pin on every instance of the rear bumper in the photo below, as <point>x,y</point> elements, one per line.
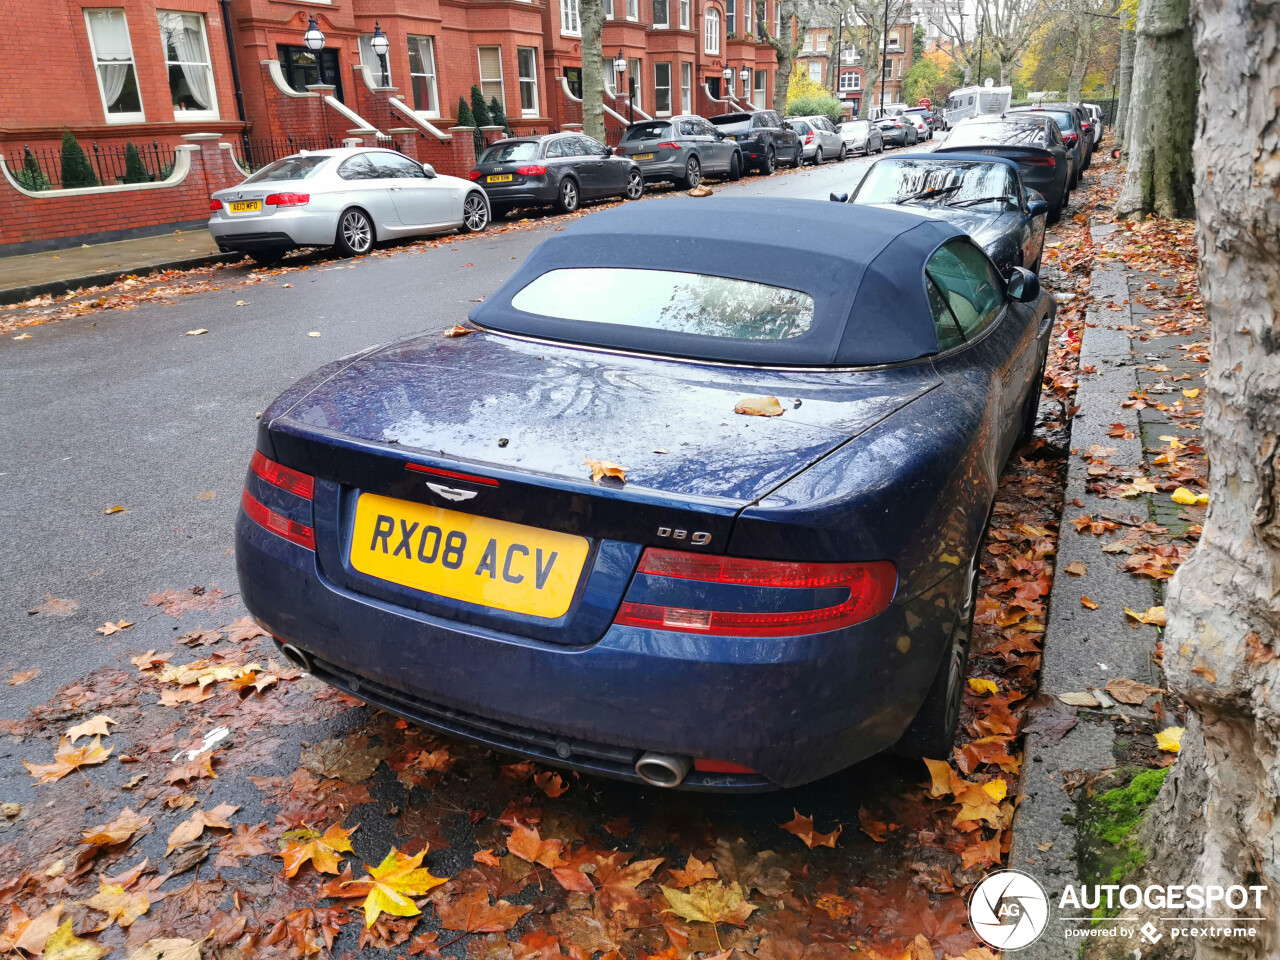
<point>655,170</point>
<point>287,228</point>
<point>794,709</point>
<point>523,194</point>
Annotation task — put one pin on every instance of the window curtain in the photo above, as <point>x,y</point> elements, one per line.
<point>188,41</point>
<point>115,56</point>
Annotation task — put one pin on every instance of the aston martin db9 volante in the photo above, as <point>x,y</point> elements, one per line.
<point>566,536</point>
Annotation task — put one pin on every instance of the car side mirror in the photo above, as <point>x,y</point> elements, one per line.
<point>839,198</point>
<point>429,170</point>
<point>1024,286</point>
<point>606,152</point>
<point>1036,204</point>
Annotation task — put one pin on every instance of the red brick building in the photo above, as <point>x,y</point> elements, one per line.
<point>847,79</point>
<point>149,71</point>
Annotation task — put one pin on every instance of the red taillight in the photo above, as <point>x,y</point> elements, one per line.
<point>474,175</point>
<point>808,138</point>
<point>215,205</point>
<point>720,766</point>
<point>668,145</point>
<point>288,200</point>
<point>291,530</point>
<point>1087,126</point>
<point>535,170</point>
<point>870,588</point>
<point>1069,139</point>
<point>291,481</point>
<point>1040,162</point>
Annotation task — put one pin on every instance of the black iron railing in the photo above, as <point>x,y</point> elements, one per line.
<point>255,154</point>
<point>42,168</point>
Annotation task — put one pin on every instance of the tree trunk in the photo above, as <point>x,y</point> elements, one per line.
<point>1079,63</point>
<point>1222,645</point>
<point>1125,82</point>
<point>591,13</point>
<point>1159,178</point>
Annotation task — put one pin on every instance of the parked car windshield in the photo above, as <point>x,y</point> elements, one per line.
<point>997,132</point>
<point>290,168</point>
<point>855,126</point>
<point>1064,118</point>
<point>667,300</point>
<point>515,151</point>
<point>648,131</point>
<point>947,182</point>
<point>733,122</point>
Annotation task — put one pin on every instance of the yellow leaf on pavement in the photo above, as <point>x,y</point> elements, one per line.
<point>117,831</point>
<point>167,948</point>
<point>120,906</point>
<point>1192,393</point>
<point>108,628</point>
<point>1087,603</point>
<point>1170,739</point>
<point>63,944</point>
<point>997,789</point>
<point>983,685</point>
<point>323,850</point>
<point>95,727</point>
<point>393,883</point>
<point>1185,497</point>
<point>709,902</point>
<point>67,759</point>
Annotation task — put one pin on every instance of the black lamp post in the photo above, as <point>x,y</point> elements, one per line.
<point>620,68</point>
<point>313,40</point>
<point>745,76</point>
<point>884,54</point>
<point>380,45</point>
<point>727,73</point>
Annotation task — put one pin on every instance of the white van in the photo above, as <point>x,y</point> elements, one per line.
<point>967,102</point>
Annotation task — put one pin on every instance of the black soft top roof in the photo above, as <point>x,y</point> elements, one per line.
<point>863,267</point>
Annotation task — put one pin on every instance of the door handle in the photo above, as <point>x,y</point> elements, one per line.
<point>393,189</point>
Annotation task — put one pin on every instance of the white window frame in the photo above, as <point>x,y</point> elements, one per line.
<point>133,116</point>
<point>730,17</point>
<point>895,41</point>
<point>777,18</point>
<point>820,41</point>
<point>847,78</point>
<point>686,87</point>
<point>666,22</point>
<point>608,9</point>
<point>686,12</point>
<point>633,9</point>
<point>531,80</point>
<point>635,68</point>
<point>570,19</point>
<point>659,86</point>
<point>433,81</point>
<point>761,83</point>
<point>499,80</point>
<point>815,67</point>
<point>711,32</point>
<point>211,113</point>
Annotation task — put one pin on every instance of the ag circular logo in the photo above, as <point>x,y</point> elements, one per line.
<point>1009,910</point>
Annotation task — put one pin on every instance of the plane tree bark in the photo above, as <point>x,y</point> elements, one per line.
<point>1124,82</point>
<point>1217,820</point>
<point>1161,123</point>
<point>786,44</point>
<point>591,13</point>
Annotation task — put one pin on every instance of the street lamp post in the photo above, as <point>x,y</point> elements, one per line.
<point>884,54</point>
<point>982,29</point>
<point>380,45</point>
<point>727,73</point>
<point>619,68</point>
<point>313,40</point>
<point>745,76</point>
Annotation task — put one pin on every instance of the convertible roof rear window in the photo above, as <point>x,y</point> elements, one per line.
<point>290,168</point>
<point>668,300</point>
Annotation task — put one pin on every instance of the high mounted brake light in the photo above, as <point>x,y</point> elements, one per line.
<point>291,481</point>
<point>869,587</point>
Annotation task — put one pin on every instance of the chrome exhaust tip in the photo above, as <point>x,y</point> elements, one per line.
<point>663,769</point>
<point>298,658</point>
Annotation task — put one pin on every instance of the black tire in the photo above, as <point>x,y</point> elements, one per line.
<point>933,731</point>
<point>799,158</point>
<point>1055,213</point>
<point>634,189</point>
<point>769,163</point>
<point>692,174</point>
<point>475,213</point>
<point>735,167</point>
<point>817,157</point>
<point>568,197</point>
<point>267,258</point>
<point>1031,407</point>
<point>844,153</point>
<point>356,234</point>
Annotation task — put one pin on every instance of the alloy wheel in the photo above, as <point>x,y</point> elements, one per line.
<point>635,185</point>
<point>357,231</point>
<point>817,158</point>
<point>568,196</point>
<point>692,173</point>
<point>770,161</point>
<point>475,215</point>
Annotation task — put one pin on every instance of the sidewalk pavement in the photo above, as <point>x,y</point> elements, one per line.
<point>57,271</point>
<point>1085,648</point>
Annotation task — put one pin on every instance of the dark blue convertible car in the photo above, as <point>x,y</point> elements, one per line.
<point>758,601</point>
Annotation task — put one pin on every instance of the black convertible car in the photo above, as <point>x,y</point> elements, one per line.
<point>563,536</point>
<point>983,196</point>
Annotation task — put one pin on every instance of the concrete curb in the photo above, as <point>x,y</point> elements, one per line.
<point>11,295</point>
<point>1085,648</point>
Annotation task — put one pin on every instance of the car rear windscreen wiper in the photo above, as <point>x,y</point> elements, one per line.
<point>930,193</point>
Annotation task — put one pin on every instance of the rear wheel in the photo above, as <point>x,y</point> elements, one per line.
<point>355,233</point>
<point>817,157</point>
<point>692,174</point>
<point>933,731</point>
<point>635,185</point>
<point>475,213</point>
<point>735,167</point>
<point>1055,212</point>
<point>567,199</point>
<point>769,163</point>
<point>844,151</point>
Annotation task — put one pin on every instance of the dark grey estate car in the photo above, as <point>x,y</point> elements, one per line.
<point>556,169</point>
<point>764,139</point>
<point>683,149</point>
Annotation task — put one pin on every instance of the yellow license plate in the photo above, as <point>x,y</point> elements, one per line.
<point>499,178</point>
<point>491,562</point>
<point>246,206</point>
<point>643,156</point>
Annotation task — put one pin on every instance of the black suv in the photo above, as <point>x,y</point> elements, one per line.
<point>764,139</point>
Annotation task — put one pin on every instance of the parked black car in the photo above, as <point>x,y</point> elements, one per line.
<point>1032,141</point>
<point>683,149</point>
<point>983,196</point>
<point>764,139</point>
<point>557,169</point>
<point>897,131</point>
<point>1073,132</point>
